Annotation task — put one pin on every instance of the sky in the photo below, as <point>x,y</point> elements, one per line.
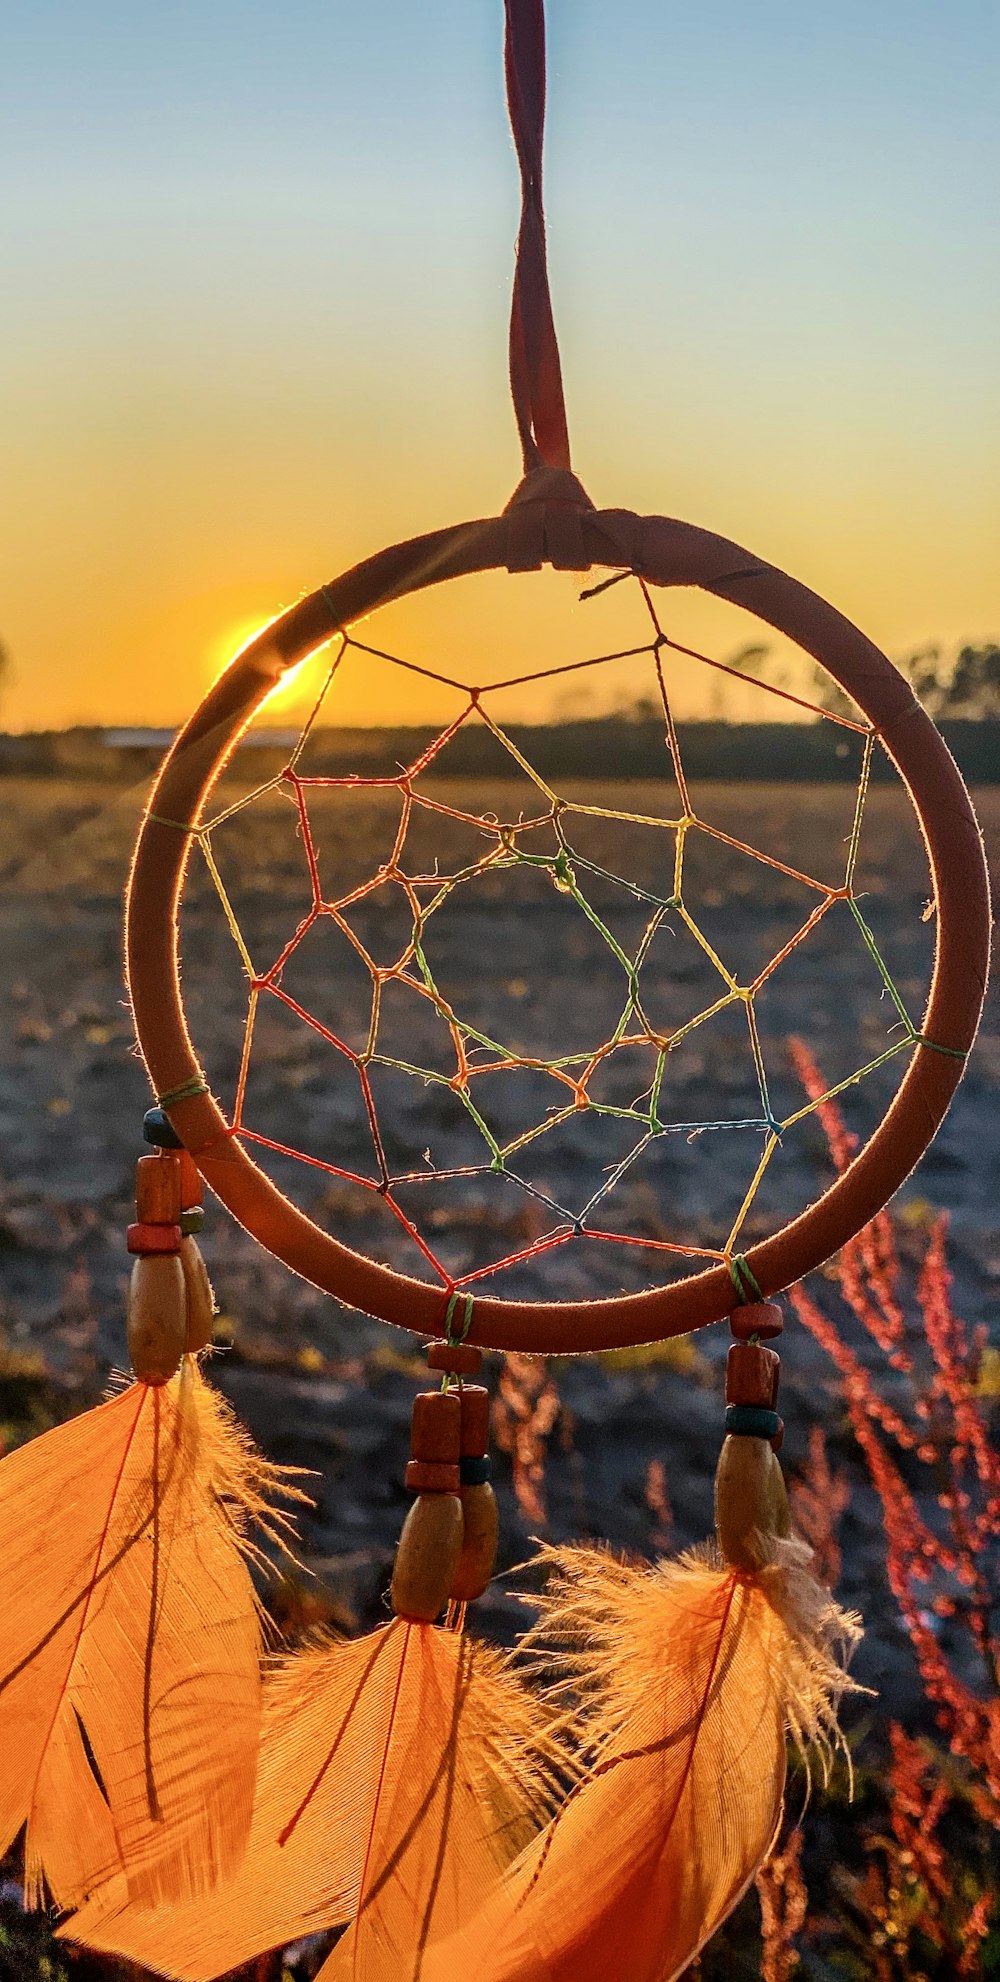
<point>257,265</point>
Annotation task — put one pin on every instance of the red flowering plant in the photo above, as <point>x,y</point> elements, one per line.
<point>920,1898</point>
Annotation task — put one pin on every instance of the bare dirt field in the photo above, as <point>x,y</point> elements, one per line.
<point>524,966</point>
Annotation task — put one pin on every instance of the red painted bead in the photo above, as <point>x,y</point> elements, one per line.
<point>158,1189</point>
<point>436,1427</point>
<point>432,1476</point>
<point>147,1239</point>
<point>191,1185</point>
<point>457,1358</point>
<point>752,1374</point>
<point>763,1318</point>
<point>475,1401</point>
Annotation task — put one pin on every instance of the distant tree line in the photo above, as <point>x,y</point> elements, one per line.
<point>967,688</point>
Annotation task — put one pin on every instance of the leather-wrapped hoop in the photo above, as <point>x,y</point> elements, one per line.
<point>664,553</point>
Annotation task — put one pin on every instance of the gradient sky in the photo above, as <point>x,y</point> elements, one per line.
<point>256,266</point>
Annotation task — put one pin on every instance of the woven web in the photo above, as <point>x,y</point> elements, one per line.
<point>618,1089</point>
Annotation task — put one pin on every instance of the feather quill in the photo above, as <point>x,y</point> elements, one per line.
<point>694,1672</point>
<point>399,1773</point>
<point>130,1644</point>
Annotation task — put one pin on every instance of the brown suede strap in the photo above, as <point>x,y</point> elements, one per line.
<point>535,374</point>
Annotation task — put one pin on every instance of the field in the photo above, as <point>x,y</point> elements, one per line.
<point>522,964</point>
<point>517,959</point>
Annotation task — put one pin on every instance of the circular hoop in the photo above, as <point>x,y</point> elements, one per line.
<point>663,552</point>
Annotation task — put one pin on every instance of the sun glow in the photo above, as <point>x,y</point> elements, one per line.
<point>239,635</point>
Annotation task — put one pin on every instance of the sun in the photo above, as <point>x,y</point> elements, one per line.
<point>225,647</point>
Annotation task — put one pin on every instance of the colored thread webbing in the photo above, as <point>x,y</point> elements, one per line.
<point>535,372</point>
<point>569,1083</point>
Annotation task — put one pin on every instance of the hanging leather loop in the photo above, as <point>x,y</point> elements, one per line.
<point>535,373</point>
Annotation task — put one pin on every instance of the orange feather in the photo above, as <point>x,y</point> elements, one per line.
<point>315,1762</point>
<point>130,1644</point>
<point>399,1773</point>
<point>695,1671</point>
<point>458,1785</point>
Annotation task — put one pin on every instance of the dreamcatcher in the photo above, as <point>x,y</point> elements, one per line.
<point>411,1785</point>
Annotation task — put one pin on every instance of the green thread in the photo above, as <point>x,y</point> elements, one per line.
<point>159,819</point>
<point>881,966</point>
<point>934,1046</point>
<point>449,1335</point>
<point>188,1089</point>
<point>743,1280</point>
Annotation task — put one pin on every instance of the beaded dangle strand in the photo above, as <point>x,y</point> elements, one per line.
<point>751,1504</point>
<point>448,1546</point>
<point>171,1306</point>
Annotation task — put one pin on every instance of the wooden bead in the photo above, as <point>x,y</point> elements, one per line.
<point>781,1513</point>
<point>481,1530</point>
<point>751,1505</point>
<point>752,1374</point>
<point>475,1401</point>
<point>192,1221</point>
<point>436,1427</point>
<point>777,1439</point>
<point>457,1358</point>
<point>153,1238</point>
<point>200,1300</point>
<point>191,1184</point>
<point>433,1476</point>
<point>427,1557</point>
<point>763,1318</point>
<point>157,1317</point>
<point>158,1189</point>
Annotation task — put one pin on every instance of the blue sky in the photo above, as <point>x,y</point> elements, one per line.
<point>258,264</point>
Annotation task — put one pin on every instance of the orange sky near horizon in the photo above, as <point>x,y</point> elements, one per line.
<point>235,366</point>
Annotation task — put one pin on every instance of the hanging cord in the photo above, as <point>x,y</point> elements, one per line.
<point>535,373</point>
<point>747,1289</point>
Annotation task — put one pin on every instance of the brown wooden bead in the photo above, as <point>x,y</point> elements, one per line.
<point>481,1530</point>
<point>427,1557</point>
<point>778,1440</point>
<point>157,1317</point>
<point>752,1374</point>
<point>200,1299</point>
<point>153,1238</point>
<point>433,1476</point>
<point>475,1401</point>
<point>763,1318</point>
<point>456,1358</point>
<point>436,1426</point>
<point>158,1189</point>
<point>191,1185</point>
<point>751,1505</point>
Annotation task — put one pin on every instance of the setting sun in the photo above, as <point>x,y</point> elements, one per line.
<point>222,652</point>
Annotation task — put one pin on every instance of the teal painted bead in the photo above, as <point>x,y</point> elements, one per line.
<point>475,1471</point>
<point>192,1221</point>
<point>752,1421</point>
<point>158,1129</point>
